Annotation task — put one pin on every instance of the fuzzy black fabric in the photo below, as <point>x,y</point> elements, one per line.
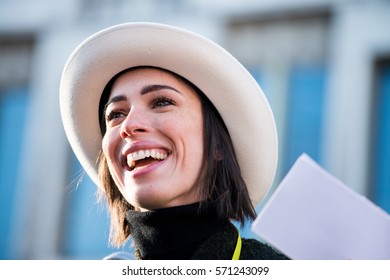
<point>221,245</point>
<point>190,232</point>
<point>173,233</point>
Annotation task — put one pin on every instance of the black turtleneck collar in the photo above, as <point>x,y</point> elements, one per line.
<point>173,233</point>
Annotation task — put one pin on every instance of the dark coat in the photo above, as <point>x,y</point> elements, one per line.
<point>185,232</point>
<point>222,244</point>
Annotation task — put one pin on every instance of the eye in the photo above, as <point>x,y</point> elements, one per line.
<point>162,102</point>
<point>113,115</point>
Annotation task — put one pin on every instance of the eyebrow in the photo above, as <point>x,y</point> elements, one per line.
<point>150,88</point>
<point>145,90</point>
<point>115,99</point>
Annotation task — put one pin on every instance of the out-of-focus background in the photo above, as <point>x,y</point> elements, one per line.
<point>324,65</point>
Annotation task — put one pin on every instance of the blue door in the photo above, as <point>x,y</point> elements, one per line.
<point>304,114</point>
<point>381,170</point>
<point>13,105</point>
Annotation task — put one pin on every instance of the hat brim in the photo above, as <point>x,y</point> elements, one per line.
<point>230,87</point>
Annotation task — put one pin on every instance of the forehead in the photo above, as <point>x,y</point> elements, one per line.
<point>138,78</point>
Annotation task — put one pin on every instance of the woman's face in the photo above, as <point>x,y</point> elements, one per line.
<point>154,139</point>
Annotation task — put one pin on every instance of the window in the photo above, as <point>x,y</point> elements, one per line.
<point>304,113</point>
<point>15,54</point>
<point>381,138</point>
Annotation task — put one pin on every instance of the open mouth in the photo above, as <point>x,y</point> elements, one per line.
<point>143,158</point>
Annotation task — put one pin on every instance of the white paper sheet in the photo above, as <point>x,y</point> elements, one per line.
<point>312,215</point>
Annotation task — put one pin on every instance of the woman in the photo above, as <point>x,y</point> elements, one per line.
<point>178,137</point>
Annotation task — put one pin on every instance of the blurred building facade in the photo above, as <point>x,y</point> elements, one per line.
<point>323,64</point>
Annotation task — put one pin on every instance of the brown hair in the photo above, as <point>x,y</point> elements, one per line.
<point>220,176</point>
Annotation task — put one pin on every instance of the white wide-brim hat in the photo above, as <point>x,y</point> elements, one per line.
<point>230,87</point>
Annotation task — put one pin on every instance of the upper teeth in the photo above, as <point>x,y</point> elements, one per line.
<point>142,154</point>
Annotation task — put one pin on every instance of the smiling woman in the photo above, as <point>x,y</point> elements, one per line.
<point>153,142</point>
<point>184,139</point>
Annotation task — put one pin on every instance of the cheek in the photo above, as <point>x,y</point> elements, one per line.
<point>110,145</point>
<point>193,138</point>
<point>106,145</point>
<point>197,126</point>
<point>196,135</point>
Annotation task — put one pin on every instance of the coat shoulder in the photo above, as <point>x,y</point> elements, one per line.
<point>221,246</point>
<point>253,249</point>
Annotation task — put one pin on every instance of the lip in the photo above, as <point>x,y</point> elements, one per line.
<point>143,145</point>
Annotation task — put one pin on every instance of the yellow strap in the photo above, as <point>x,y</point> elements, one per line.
<point>237,251</point>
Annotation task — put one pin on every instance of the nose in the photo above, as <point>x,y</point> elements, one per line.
<point>134,124</point>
